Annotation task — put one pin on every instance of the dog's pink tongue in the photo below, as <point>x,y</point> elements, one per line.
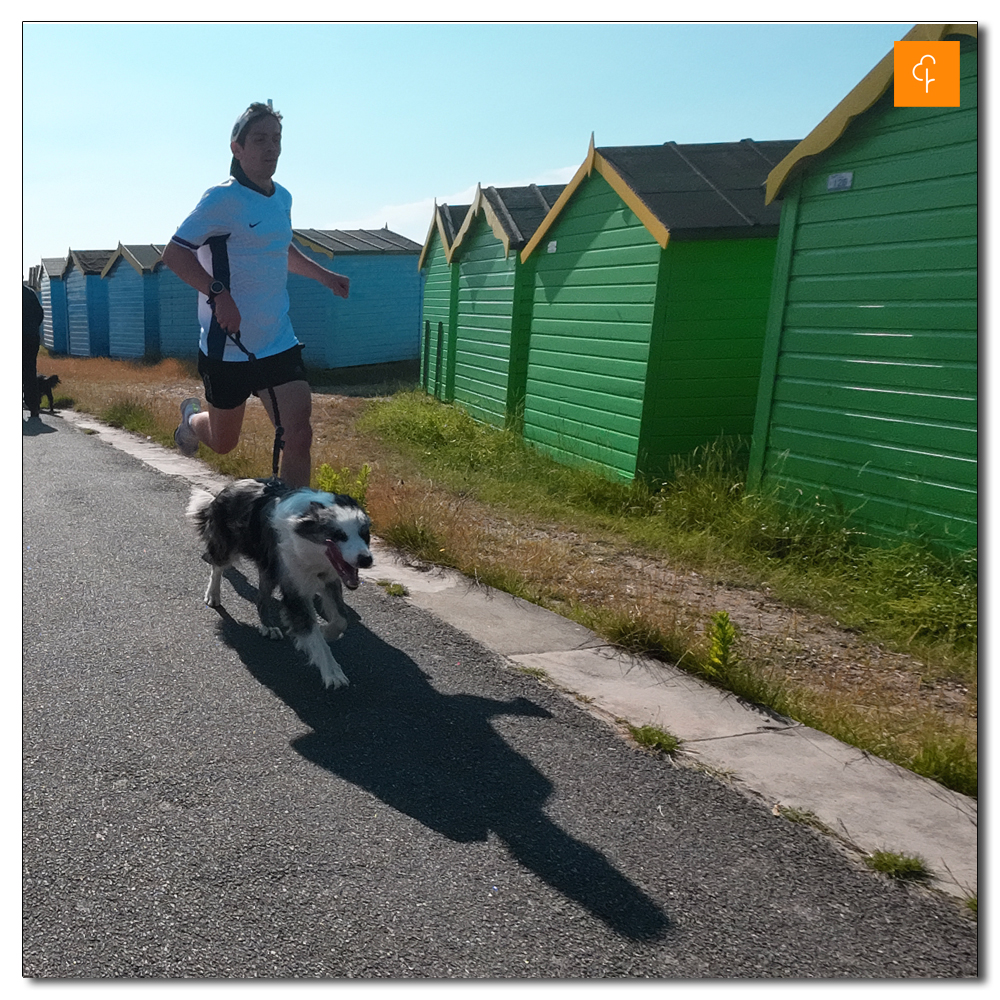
<point>349,574</point>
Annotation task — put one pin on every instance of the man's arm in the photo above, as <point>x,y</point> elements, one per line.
<point>185,264</point>
<point>299,263</point>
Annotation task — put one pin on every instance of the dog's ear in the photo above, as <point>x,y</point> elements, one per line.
<point>311,513</point>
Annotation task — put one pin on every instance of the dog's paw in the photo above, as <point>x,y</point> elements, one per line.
<point>336,680</point>
<point>270,631</point>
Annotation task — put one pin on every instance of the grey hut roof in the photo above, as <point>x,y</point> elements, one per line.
<point>146,255</point>
<point>518,211</point>
<point>446,222</point>
<point>91,261</point>
<point>452,217</point>
<point>143,257</point>
<point>358,241</point>
<point>54,266</point>
<point>692,190</point>
<point>707,185</point>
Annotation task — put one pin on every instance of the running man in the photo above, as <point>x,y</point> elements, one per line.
<point>236,249</point>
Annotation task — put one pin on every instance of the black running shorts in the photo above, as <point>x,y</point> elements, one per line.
<point>229,384</point>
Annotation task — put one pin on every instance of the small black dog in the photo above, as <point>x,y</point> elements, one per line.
<point>307,543</point>
<point>46,383</point>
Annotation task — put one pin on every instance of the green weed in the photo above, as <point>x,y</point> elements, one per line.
<point>654,739</point>
<point>899,866</point>
<point>418,539</point>
<point>722,658</point>
<point>535,672</point>
<point>494,464</point>
<point>633,631</point>
<point>329,480</point>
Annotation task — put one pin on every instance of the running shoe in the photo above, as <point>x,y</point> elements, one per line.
<point>185,437</point>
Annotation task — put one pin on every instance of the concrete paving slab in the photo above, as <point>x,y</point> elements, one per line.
<point>649,693</point>
<point>870,802</point>
<point>503,623</point>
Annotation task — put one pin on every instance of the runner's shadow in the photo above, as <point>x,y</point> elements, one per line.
<point>437,758</point>
<point>34,426</point>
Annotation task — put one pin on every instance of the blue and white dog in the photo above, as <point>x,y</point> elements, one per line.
<point>308,543</point>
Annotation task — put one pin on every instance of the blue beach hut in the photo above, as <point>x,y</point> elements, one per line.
<point>52,294</point>
<point>87,303</point>
<point>380,321</point>
<point>178,314</point>
<point>132,277</point>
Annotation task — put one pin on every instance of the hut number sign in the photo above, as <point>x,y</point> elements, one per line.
<point>840,182</point>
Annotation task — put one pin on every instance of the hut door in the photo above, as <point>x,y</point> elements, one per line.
<point>440,360</point>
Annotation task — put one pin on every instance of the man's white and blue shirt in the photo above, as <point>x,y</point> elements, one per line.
<point>241,237</point>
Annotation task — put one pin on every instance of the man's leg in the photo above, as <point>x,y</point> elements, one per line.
<point>295,410</point>
<point>29,374</point>
<point>219,429</point>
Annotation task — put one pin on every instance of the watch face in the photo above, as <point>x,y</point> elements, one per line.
<point>217,288</point>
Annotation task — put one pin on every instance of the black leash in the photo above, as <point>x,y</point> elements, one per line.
<point>279,431</point>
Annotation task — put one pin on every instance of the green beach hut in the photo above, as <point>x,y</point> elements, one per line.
<point>868,390</point>
<point>493,312</point>
<point>651,281</point>
<point>440,300</point>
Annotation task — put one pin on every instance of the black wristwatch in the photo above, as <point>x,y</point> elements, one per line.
<point>216,288</point>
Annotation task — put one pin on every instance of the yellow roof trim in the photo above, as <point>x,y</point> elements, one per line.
<point>480,202</point>
<point>427,238</point>
<point>436,224</point>
<point>309,244</point>
<point>583,172</point>
<point>860,99</point>
<point>595,161</point>
<point>656,228</point>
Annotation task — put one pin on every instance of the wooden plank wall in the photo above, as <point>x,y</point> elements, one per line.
<point>378,322</point>
<point>704,367</point>
<point>875,396</point>
<point>53,299</point>
<point>436,320</point>
<point>126,311</point>
<point>483,325</point>
<point>178,311</point>
<point>592,313</point>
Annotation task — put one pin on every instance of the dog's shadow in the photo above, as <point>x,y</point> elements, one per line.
<point>437,758</point>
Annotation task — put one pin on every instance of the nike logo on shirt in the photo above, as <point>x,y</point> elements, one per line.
<point>252,224</point>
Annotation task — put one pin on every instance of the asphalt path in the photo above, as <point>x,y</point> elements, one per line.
<point>195,804</point>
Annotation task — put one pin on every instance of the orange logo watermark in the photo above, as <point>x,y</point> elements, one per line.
<point>926,74</point>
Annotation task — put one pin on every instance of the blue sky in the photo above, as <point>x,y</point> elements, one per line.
<point>126,124</point>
